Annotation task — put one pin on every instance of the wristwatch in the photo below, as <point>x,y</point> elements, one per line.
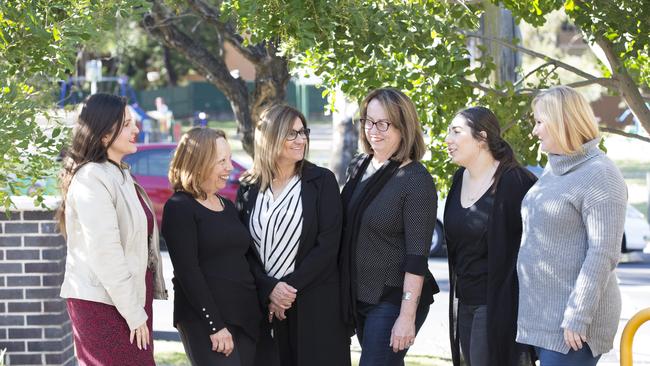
<point>406,296</point>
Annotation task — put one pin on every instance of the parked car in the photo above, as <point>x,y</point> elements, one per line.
<point>438,243</point>
<point>636,235</point>
<point>149,166</point>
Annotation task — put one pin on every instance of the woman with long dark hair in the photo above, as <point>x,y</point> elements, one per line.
<point>483,232</point>
<point>113,266</point>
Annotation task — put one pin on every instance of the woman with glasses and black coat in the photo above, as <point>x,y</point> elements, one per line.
<point>390,212</point>
<point>292,209</point>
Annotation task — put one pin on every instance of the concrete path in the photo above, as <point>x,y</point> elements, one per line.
<point>433,337</point>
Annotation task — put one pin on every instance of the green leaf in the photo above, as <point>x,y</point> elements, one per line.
<point>569,5</point>
<point>56,34</point>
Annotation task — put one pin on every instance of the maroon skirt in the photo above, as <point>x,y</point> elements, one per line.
<point>101,335</point>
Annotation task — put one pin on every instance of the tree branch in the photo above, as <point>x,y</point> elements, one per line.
<point>532,72</point>
<point>580,84</point>
<point>628,88</point>
<point>214,68</point>
<point>501,93</point>
<point>485,88</point>
<point>614,131</point>
<point>211,14</point>
<point>606,82</point>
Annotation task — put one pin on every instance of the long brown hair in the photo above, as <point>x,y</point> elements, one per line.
<point>102,114</point>
<point>272,130</point>
<point>481,119</point>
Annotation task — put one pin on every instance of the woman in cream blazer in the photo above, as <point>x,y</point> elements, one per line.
<point>113,265</point>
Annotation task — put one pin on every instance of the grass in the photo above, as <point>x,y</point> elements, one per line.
<point>171,359</point>
<point>169,353</point>
<point>633,169</point>
<point>634,173</point>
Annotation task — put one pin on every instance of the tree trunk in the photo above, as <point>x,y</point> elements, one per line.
<point>271,80</point>
<point>345,136</point>
<point>499,23</point>
<point>172,77</point>
<point>272,74</point>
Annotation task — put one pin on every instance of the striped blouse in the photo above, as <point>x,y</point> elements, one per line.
<point>276,225</point>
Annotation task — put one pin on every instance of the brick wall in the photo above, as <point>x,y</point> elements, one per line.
<point>34,325</point>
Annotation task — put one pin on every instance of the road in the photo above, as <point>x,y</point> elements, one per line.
<point>433,337</point>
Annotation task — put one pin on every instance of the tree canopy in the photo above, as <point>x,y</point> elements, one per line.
<point>39,40</point>
<point>435,52</point>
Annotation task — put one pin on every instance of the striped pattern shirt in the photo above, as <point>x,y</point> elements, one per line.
<point>276,225</point>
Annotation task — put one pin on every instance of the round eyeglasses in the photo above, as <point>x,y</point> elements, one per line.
<point>381,125</point>
<point>293,134</point>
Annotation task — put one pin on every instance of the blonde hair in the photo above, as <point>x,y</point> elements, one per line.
<point>403,116</point>
<point>193,160</point>
<point>568,116</point>
<point>272,130</point>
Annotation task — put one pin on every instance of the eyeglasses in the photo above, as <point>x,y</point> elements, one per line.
<point>382,125</point>
<point>293,134</point>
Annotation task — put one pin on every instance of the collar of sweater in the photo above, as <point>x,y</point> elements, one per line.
<point>562,164</point>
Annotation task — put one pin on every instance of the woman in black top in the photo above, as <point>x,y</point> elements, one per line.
<point>215,299</point>
<point>293,211</point>
<point>483,233</point>
<point>390,212</point>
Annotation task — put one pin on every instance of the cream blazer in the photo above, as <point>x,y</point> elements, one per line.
<point>107,251</point>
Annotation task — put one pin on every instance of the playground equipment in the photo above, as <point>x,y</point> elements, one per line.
<point>125,90</point>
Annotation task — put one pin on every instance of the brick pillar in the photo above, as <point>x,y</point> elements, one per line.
<point>34,325</point>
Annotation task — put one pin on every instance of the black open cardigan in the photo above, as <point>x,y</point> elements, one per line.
<point>503,240</point>
<point>321,334</point>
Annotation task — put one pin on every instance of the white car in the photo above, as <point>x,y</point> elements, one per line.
<point>637,231</point>
<point>636,236</point>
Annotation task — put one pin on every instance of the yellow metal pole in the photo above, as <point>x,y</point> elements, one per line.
<point>628,335</point>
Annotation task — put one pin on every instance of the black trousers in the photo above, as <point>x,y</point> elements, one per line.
<point>285,333</point>
<point>198,346</point>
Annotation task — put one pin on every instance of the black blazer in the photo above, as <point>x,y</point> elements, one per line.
<point>503,240</point>
<point>322,338</point>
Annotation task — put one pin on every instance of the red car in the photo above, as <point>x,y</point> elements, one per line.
<point>149,166</point>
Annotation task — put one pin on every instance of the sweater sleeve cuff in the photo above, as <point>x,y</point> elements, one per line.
<point>574,324</point>
<point>415,264</point>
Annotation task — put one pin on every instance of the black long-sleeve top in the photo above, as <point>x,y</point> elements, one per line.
<point>466,230</point>
<point>503,239</point>
<point>212,277</point>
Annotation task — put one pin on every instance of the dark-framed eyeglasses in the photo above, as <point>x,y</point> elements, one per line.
<point>381,125</point>
<point>293,134</point>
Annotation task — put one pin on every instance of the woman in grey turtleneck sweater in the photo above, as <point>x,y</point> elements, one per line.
<point>573,218</point>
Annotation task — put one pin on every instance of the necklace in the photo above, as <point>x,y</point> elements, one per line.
<point>474,196</point>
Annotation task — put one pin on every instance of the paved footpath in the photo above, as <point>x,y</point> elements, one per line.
<point>634,279</point>
<point>433,337</point>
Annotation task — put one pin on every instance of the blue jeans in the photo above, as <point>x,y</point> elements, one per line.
<point>374,326</point>
<point>581,357</point>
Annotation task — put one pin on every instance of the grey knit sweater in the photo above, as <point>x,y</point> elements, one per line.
<point>573,220</point>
